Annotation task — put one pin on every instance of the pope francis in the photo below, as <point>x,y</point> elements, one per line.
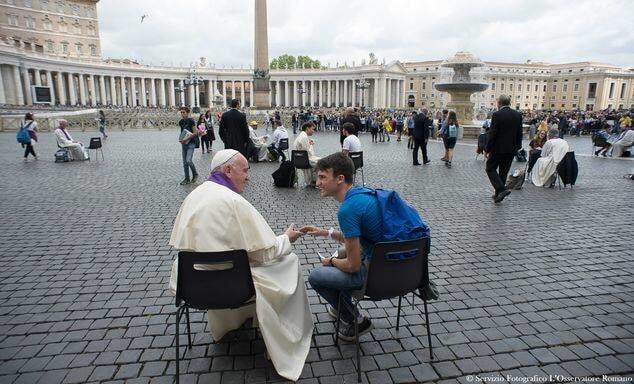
<point>215,217</point>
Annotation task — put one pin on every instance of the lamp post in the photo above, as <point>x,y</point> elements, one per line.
<point>194,80</point>
<point>362,85</point>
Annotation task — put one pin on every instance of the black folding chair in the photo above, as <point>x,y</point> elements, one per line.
<point>283,146</point>
<point>95,143</point>
<point>300,160</point>
<point>357,159</point>
<point>211,280</point>
<point>396,269</point>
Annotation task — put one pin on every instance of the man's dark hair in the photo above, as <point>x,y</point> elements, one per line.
<point>234,103</point>
<point>28,116</point>
<point>350,128</point>
<point>278,123</point>
<point>307,125</point>
<point>186,109</point>
<point>444,111</point>
<point>340,164</point>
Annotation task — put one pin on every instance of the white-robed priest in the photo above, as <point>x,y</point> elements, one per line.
<point>304,143</point>
<point>215,217</point>
<point>553,152</point>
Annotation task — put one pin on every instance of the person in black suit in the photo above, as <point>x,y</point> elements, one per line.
<point>421,135</point>
<point>234,130</point>
<point>350,116</point>
<point>504,140</point>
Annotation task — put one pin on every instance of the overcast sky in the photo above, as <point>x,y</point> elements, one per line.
<point>341,31</point>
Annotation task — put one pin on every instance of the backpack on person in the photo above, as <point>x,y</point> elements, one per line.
<point>284,176</point>
<point>521,155</point>
<point>23,136</point>
<point>452,131</point>
<point>61,156</point>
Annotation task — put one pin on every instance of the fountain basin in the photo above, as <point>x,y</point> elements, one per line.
<point>462,87</point>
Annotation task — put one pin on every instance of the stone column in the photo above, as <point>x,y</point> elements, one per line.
<point>242,100</point>
<point>27,86</point>
<point>286,94</point>
<point>71,90</point>
<point>182,94</point>
<point>143,96</point>
<point>113,90</point>
<point>224,93</point>
<point>162,100</point>
<point>233,89</point>
<point>93,91</point>
<point>38,77</point>
<point>102,90</point>
<point>353,94</point>
<point>389,92</point>
<point>337,93</point>
<point>190,95</point>
<point>311,101</point>
<point>375,90</point>
<point>277,93</point>
<point>212,93</point>
<point>3,98</point>
<point>208,91</point>
<point>295,94</point>
<point>251,94</point>
<point>172,93</point>
<point>305,93</point>
<point>61,92</point>
<point>345,93</point>
<point>329,93</point>
<point>153,92</point>
<point>49,82</point>
<point>124,99</point>
<point>133,92</point>
<point>82,89</point>
<point>17,83</point>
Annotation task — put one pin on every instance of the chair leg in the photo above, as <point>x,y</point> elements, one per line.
<point>338,321</point>
<point>398,312</point>
<point>189,329</point>
<point>362,177</point>
<point>177,347</point>
<point>431,351</point>
<point>356,337</point>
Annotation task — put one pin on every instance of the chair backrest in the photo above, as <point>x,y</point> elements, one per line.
<point>357,159</point>
<point>283,144</point>
<point>300,159</point>
<point>214,280</point>
<point>397,268</point>
<point>95,143</point>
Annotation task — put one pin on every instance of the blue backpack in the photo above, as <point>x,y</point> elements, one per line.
<point>23,136</point>
<point>401,220</point>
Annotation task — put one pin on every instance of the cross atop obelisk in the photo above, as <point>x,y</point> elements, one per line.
<point>261,57</point>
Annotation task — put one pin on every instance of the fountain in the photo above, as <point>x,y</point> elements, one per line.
<point>460,88</point>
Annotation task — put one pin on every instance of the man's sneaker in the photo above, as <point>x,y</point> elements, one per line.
<point>333,313</point>
<point>500,196</point>
<point>194,178</point>
<point>185,182</point>
<point>347,333</point>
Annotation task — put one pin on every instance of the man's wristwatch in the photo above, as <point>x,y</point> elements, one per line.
<point>331,230</point>
<point>331,262</point>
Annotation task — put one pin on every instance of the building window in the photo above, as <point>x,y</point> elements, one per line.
<point>565,87</point>
<point>77,28</point>
<point>49,46</point>
<point>574,105</point>
<point>611,91</point>
<point>78,47</point>
<point>502,87</point>
<point>424,86</point>
<point>93,50</point>
<point>64,47</point>
<point>13,20</point>
<point>536,87</point>
<point>576,88</point>
<point>623,91</point>
<point>30,22</point>
<point>544,87</point>
<point>60,6</point>
<point>44,5</point>
<point>575,97</point>
<point>75,9</point>
<point>28,3</point>
<point>47,24</point>
<point>510,87</point>
<point>563,97</point>
<point>493,86</point>
<point>411,86</point>
<point>519,87</point>
<point>554,87</point>
<point>592,90</point>
<point>10,2</point>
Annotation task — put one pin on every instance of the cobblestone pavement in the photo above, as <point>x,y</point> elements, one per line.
<point>540,284</point>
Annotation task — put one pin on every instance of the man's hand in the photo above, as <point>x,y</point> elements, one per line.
<point>293,234</point>
<point>487,155</point>
<point>313,231</point>
<point>326,262</point>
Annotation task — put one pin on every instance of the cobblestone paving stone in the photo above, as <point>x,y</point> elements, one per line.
<point>540,284</point>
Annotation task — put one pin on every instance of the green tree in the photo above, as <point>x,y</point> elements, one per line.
<point>289,61</point>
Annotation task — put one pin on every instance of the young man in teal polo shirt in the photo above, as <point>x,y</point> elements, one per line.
<point>361,226</point>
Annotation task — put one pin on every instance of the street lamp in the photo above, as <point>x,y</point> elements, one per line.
<point>194,80</point>
<point>362,84</point>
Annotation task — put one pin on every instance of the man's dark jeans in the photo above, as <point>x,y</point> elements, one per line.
<point>419,143</point>
<point>497,168</point>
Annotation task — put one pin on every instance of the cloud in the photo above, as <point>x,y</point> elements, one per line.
<point>337,31</point>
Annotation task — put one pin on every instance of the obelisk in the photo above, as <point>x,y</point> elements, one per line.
<point>261,77</point>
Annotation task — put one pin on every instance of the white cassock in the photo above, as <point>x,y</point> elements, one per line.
<point>213,218</point>
<point>260,144</point>
<point>552,152</point>
<point>76,149</point>
<point>302,143</point>
<point>624,141</point>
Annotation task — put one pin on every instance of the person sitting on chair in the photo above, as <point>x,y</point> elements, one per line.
<point>361,223</point>
<point>304,143</point>
<point>214,218</point>
<point>258,151</point>
<point>279,134</point>
<point>601,140</point>
<point>351,143</point>
<point>552,152</point>
<point>64,140</point>
<point>625,140</point>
